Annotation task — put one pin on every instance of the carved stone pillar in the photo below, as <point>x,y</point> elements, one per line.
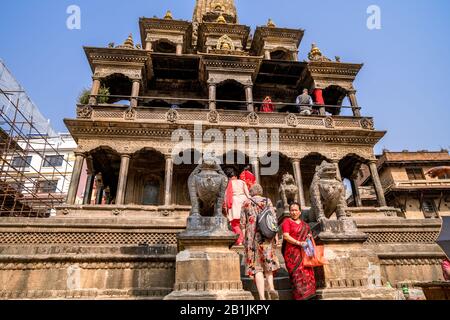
<point>75,181</point>
<point>299,180</point>
<point>377,183</point>
<point>256,171</point>
<point>267,55</point>
<point>356,193</point>
<point>89,182</point>
<point>294,56</point>
<point>123,177</point>
<point>212,95</point>
<point>148,46</point>
<point>94,91</point>
<point>249,97</point>
<point>354,103</point>
<point>338,171</point>
<point>135,93</point>
<point>179,49</point>
<point>168,181</point>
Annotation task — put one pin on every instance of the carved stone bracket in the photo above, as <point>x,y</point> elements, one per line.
<point>253,119</point>
<point>172,116</point>
<point>291,120</point>
<point>130,114</point>
<point>367,124</point>
<point>117,212</point>
<point>84,112</point>
<point>329,122</point>
<point>213,116</point>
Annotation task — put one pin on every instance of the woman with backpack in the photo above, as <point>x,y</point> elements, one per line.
<point>296,233</point>
<point>260,253</point>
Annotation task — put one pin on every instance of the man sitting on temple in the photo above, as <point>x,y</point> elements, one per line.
<point>304,103</point>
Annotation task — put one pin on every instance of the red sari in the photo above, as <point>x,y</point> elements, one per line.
<point>248,177</point>
<point>302,278</point>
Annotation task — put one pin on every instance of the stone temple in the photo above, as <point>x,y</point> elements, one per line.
<point>213,73</point>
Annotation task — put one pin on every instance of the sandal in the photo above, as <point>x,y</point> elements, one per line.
<point>273,295</point>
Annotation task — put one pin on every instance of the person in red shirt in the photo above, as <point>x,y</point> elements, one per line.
<point>446,269</point>
<point>248,177</point>
<point>267,105</point>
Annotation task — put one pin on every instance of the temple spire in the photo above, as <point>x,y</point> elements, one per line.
<point>207,10</point>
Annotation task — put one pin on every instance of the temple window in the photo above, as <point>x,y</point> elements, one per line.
<point>234,91</point>
<point>151,193</point>
<point>280,55</point>
<point>334,96</point>
<point>415,174</point>
<point>119,88</point>
<point>429,209</point>
<point>164,46</point>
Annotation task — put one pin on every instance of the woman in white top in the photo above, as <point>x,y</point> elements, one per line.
<point>237,193</point>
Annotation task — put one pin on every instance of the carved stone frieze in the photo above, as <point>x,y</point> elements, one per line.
<point>291,120</point>
<point>84,112</point>
<point>329,122</point>
<point>367,124</point>
<point>133,73</point>
<point>172,116</point>
<point>253,119</point>
<point>213,116</point>
<point>130,114</point>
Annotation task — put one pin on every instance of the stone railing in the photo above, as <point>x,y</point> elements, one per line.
<point>220,117</point>
<point>421,183</point>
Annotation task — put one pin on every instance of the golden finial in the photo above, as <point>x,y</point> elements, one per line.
<point>316,55</point>
<point>168,15</point>
<point>221,19</point>
<point>271,24</point>
<point>129,43</point>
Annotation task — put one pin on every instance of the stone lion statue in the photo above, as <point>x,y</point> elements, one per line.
<point>327,194</point>
<point>207,185</point>
<point>288,193</point>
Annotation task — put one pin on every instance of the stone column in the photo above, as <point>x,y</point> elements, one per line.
<point>299,180</point>
<point>179,49</point>
<point>295,56</point>
<point>338,171</point>
<point>75,181</point>
<point>256,171</point>
<point>88,190</point>
<point>94,91</point>
<point>168,181</point>
<point>148,46</point>
<point>212,95</point>
<point>356,193</point>
<point>135,93</point>
<point>123,176</point>
<point>249,97</point>
<point>90,181</point>
<point>377,183</point>
<point>267,55</point>
<point>354,103</point>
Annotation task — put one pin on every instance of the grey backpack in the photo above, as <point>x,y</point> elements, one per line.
<point>266,223</point>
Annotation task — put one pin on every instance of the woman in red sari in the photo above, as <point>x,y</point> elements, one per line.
<point>267,105</point>
<point>295,234</point>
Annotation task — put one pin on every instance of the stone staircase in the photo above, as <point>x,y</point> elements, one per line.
<point>281,278</point>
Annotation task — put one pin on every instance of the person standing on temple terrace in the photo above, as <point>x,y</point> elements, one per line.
<point>267,105</point>
<point>304,103</point>
<point>260,254</point>
<point>248,177</point>
<point>446,269</point>
<point>295,235</point>
<point>236,194</point>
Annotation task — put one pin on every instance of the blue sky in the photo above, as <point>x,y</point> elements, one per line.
<point>404,83</point>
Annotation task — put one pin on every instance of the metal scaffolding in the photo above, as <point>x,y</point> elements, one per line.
<point>27,145</point>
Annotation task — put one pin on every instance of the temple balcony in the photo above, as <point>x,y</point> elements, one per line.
<point>222,117</point>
